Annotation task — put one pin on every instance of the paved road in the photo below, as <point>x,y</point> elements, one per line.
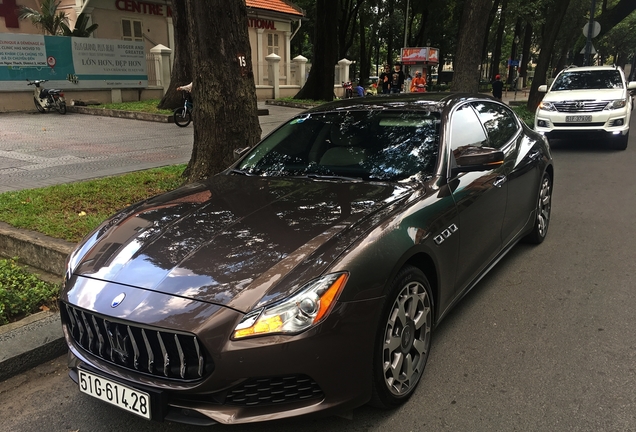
<point>39,150</point>
<point>545,342</point>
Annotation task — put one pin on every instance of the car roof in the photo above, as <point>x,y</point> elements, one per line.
<point>589,68</point>
<point>423,102</point>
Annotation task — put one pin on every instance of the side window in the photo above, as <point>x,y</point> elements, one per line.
<point>466,130</point>
<point>272,43</point>
<point>499,122</point>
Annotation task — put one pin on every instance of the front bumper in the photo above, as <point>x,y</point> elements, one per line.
<point>551,123</point>
<point>331,363</point>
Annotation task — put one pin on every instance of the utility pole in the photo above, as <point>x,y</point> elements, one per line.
<point>590,27</point>
<point>406,23</point>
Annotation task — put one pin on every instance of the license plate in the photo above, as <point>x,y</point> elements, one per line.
<point>579,119</point>
<point>122,396</point>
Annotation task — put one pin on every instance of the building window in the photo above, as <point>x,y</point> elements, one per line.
<point>272,43</point>
<point>131,30</point>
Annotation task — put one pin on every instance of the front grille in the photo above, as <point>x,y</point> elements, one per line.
<point>580,106</point>
<point>147,350</point>
<point>274,391</point>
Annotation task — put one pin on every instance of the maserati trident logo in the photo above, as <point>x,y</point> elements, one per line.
<point>117,300</point>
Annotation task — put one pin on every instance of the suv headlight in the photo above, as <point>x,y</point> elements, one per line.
<point>547,106</point>
<point>616,104</point>
<point>310,305</point>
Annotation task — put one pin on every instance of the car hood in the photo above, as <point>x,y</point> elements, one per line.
<point>572,95</point>
<point>230,240</point>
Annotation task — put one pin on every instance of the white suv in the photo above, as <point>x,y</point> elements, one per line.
<point>588,100</point>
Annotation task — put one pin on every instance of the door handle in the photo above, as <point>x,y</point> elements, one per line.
<point>535,155</point>
<point>500,180</point>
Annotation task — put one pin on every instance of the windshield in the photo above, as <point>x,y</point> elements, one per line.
<point>387,146</point>
<point>585,80</point>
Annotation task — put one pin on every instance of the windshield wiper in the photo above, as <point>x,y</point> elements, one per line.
<point>331,177</point>
<point>238,171</point>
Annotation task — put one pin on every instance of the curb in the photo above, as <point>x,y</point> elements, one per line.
<point>133,115</point>
<point>37,338</point>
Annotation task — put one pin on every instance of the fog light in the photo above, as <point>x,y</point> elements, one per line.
<point>619,122</point>
<point>542,123</point>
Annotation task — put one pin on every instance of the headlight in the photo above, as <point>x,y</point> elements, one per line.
<point>547,106</point>
<point>304,309</point>
<point>619,103</point>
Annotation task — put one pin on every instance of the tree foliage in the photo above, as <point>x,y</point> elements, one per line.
<point>47,18</point>
<point>81,29</point>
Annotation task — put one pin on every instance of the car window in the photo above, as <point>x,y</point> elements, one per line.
<point>585,80</point>
<point>499,122</point>
<point>378,145</point>
<point>466,129</point>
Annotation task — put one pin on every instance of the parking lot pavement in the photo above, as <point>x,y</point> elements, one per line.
<point>38,150</point>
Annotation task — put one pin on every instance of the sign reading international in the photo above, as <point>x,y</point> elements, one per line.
<point>92,63</point>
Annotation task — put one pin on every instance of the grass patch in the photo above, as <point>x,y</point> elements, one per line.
<point>22,293</point>
<point>525,114</point>
<point>147,106</point>
<point>70,211</point>
<point>301,101</point>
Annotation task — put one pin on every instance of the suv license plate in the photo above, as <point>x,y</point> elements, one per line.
<point>127,398</point>
<point>579,119</point>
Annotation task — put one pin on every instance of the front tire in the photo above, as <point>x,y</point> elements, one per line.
<point>404,339</point>
<point>61,107</point>
<point>544,209</point>
<point>38,106</point>
<point>182,117</point>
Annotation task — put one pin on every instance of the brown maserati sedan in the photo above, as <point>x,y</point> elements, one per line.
<point>309,276</point>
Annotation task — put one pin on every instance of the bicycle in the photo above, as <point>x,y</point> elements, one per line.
<point>182,116</point>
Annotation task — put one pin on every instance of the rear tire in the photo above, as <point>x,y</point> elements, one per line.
<point>543,211</point>
<point>38,106</point>
<point>403,341</point>
<point>61,107</point>
<point>182,117</point>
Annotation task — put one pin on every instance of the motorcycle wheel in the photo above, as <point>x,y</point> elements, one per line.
<point>182,117</point>
<point>38,106</point>
<point>61,107</point>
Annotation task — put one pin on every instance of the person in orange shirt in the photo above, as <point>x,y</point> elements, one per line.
<point>418,84</point>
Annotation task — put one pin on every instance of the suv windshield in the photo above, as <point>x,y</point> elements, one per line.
<point>380,145</point>
<point>587,80</point>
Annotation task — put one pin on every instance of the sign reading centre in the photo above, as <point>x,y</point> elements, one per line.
<point>86,62</point>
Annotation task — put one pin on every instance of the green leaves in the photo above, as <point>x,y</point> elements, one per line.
<point>22,293</point>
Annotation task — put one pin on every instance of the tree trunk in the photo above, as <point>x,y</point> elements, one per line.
<point>555,17</point>
<point>496,56</point>
<point>181,73</point>
<point>472,31</point>
<point>525,51</point>
<point>319,85</point>
<point>225,109</point>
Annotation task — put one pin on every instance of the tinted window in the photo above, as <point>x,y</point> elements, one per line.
<point>500,123</point>
<point>378,145</point>
<point>466,130</point>
<point>577,80</point>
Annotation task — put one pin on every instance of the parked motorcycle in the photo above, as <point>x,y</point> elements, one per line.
<point>47,99</point>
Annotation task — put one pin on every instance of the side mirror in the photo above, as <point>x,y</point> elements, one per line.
<point>543,88</point>
<point>631,85</point>
<point>478,159</point>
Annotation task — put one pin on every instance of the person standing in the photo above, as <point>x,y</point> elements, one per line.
<point>397,79</point>
<point>497,87</point>
<point>385,80</point>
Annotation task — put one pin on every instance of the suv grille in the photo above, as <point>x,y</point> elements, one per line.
<point>581,106</point>
<point>274,390</point>
<point>151,351</point>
